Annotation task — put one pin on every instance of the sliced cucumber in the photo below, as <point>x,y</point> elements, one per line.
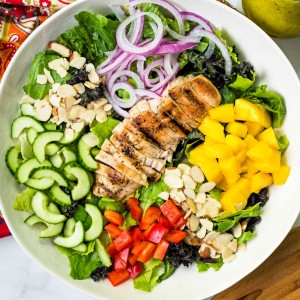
<point>51,172</point>
<point>80,248</point>
<point>74,240</point>
<point>31,135</point>
<point>50,126</point>
<point>83,185</point>
<point>103,255</point>
<point>57,161</point>
<point>24,122</point>
<point>58,196</point>
<point>33,219</point>
<point>24,170</point>
<point>40,184</point>
<point>67,171</point>
<point>95,151</point>
<point>42,140</point>
<point>12,160</point>
<point>68,155</point>
<point>26,148</point>
<point>51,149</point>
<point>84,154</point>
<point>69,227</point>
<point>76,136</point>
<point>97,222</point>
<point>27,109</point>
<point>40,207</point>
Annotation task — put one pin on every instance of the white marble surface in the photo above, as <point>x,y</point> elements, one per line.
<point>23,279</point>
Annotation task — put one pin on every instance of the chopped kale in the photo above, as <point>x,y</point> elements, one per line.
<point>182,254</point>
<point>91,95</point>
<point>70,211</point>
<point>100,273</point>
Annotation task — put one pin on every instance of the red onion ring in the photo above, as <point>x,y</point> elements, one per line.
<point>197,19</point>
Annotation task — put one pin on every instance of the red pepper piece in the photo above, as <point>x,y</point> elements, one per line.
<point>175,236</point>
<point>124,240</point>
<point>113,230</point>
<point>121,259</point>
<point>113,217</point>
<point>136,213</point>
<point>156,234</point>
<point>132,201</point>
<point>161,250</point>
<point>135,270</point>
<point>112,250</point>
<point>117,277</point>
<point>132,259</point>
<point>180,223</point>
<point>138,247</point>
<point>147,252</point>
<point>151,215</point>
<point>137,234</point>
<point>171,211</point>
<point>162,220</point>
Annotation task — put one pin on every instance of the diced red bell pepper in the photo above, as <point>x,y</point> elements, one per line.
<point>117,277</point>
<point>137,234</point>
<point>135,270</point>
<point>113,217</point>
<point>146,232</point>
<point>147,252</point>
<point>132,259</point>
<point>151,215</point>
<point>162,220</point>
<point>132,201</point>
<point>156,234</point>
<point>180,223</point>
<point>113,230</point>
<point>136,213</point>
<point>112,250</point>
<point>124,240</point>
<point>121,259</point>
<point>161,250</point>
<point>175,236</point>
<point>171,211</point>
<point>138,247</point>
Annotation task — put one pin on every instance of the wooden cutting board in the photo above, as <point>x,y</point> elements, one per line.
<point>278,278</point>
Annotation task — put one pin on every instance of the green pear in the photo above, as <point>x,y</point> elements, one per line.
<point>278,18</point>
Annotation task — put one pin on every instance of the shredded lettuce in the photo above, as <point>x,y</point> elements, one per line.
<point>204,266</point>
<point>111,204</point>
<point>283,143</point>
<point>128,221</point>
<point>242,84</point>
<point>246,236</point>
<point>23,200</point>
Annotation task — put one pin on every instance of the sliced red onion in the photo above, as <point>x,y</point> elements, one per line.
<point>182,38</point>
<point>137,29</point>
<point>110,56</point>
<point>151,67</point>
<point>168,6</point>
<point>224,50</point>
<point>126,62</point>
<point>129,47</point>
<point>169,61</point>
<point>118,11</point>
<point>118,60</point>
<point>197,19</point>
<point>140,67</point>
<point>160,76</point>
<point>123,113</point>
<point>120,101</point>
<point>210,50</point>
<point>171,48</point>
<point>147,94</point>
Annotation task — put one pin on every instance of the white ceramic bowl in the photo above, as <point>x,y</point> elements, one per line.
<point>278,216</point>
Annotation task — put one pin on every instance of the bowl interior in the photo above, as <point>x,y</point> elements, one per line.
<point>272,68</point>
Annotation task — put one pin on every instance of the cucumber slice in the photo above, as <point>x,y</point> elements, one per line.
<point>76,136</point>
<point>31,135</point>
<point>95,151</point>
<point>33,219</point>
<point>97,222</point>
<point>43,139</point>
<point>24,170</point>
<point>27,109</point>
<point>40,184</point>
<point>83,185</point>
<point>40,207</point>
<point>68,155</point>
<point>103,255</point>
<point>50,126</point>
<point>67,171</point>
<point>84,154</point>
<point>74,240</point>
<point>80,248</point>
<point>69,227</point>
<point>57,161</point>
<point>26,148</point>
<point>51,149</point>
<point>58,196</point>
<point>24,122</point>
<point>12,160</point>
<point>51,172</point>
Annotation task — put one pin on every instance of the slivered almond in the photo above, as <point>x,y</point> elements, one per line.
<point>90,85</point>
<point>44,113</point>
<point>101,116</point>
<point>207,187</point>
<point>200,198</point>
<point>107,107</point>
<point>173,181</point>
<point>60,49</point>
<point>88,116</point>
<point>55,86</point>
<point>49,76</point>
<point>194,223</point>
<point>77,62</point>
<point>197,174</point>
<point>208,225</point>
<point>77,127</point>
<point>164,195</point>
<point>61,71</point>
<point>190,193</point>
<point>41,79</point>
<point>79,87</point>
<point>189,183</point>
<point>69,134</point>
<point>54,100</point>
<point>66,90</point>
<point>184,168</point>
<point>173,171</point>
<point>201,233</point>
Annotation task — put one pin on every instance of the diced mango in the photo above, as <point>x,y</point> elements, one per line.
<point>233,199</point>
<point>244,185</point>
<point>230,168</point>
<point>237,128</point>
<point>241,156</point>
<point>213,129</point>
<point>260,152</point>
<point>251,169</point>
<point>217,150</point>
<point>281,176</point>
<point>246,111</point>
<point>269,137</point>
<point>235,142</point>
<point>223,185</point>
<point>271,165</point>
<point>254,128</point>
<point>250,140</point>
<point>197,155</point>
<point>260,181</point>
<point>223,113</point>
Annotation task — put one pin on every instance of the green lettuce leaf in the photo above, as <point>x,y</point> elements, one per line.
<point>242,84</point>
<point>128,221</point>
<point>169,270</point>
<point>228,96</point>
<point>154,268</point>
<point>283,143</point>
<point>215,193</point>
<point>204,266</point>
<point>23,200</point>
<point>69,251</point>
<point>111,204</point>
<point>104,130</point>
<point>81,215</point>
<point>246,236</point>
<point>227,220</point>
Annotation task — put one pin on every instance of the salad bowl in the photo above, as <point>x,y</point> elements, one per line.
<point>278,217</point>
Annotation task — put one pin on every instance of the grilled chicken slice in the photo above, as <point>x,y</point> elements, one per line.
<point>112,161</point>
<point>151,173</point>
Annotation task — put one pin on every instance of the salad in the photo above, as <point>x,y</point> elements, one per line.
<point>144,144</point>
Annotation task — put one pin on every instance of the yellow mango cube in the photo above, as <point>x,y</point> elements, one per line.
<point>233,199</point>
<point>223,185</point>
<point>260,152</point>
<point>213,129</point>
<point>211,170</point>
<point>237,128</point>
<point>251,169</point>
<point>241,156</point>
<point>235,142</point>
<point>260,181</point>
<point>250,140</point>
<point>244,185</point>
<point>281,176</point>
<point>254,128</point>
<point>247,111</point>
<point>217,150</point>
<point>268,136</point>
<point>223,113</point>
<point>230,168</point>
<point>197,155</point>
<point>271,165</point>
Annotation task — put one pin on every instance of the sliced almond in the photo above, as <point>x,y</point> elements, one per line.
<point>65,64</point>
<point>49,76</point>
<point>78,62</point>
<point>69,134</point>
<point>213,201</point>
<point>201,233</point>
<point>181,195</point>
<point>174,196</point>
<point>66,90</point>
<point>90,85</point>
<point>199,205</point>
<point>204,251</point>
<point>211,235</point>
<point>88,116</point>
<point>237,230</point>
<point>41,79</point>
<point>101,116</point>
<point>191,205</point>
<point>189,183</point>
<point>92,74</point>
<point>55,87</point>
<point>69,102</point>
<point>208,225</point>
<point>62,72</point>
<point>194,223</point>
<point>62,114</point>
<point>239,206</point>
<point>78,127</point>
<point>201,212</point>
<point>44,113</point>
<point>40,103</point>
<point>60,49</point>
<point>233,245</point>
<point>101,102</point>
<point>90,139</point>
<point>79,87</point>
<point>242,248</point>
<point>227,252</point>
<point>173,181</point>
<point>164,195</point>
<point>207,187</point>
<point>187,214</point>
<point>184,168</point>
<point>229,258</point>
<point>173,171</point>
<point>27,99</point>
<point>55,100</point>
<point>54,111</point>
<point>244,225</point>
<point>107,107</point>
<point>54,64</point>
<point>184,206</point>
<point>190,193</point>
<point>211,211</point>
<point>200,198</point>
<point>197,174</point>
<point>224,238</point>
